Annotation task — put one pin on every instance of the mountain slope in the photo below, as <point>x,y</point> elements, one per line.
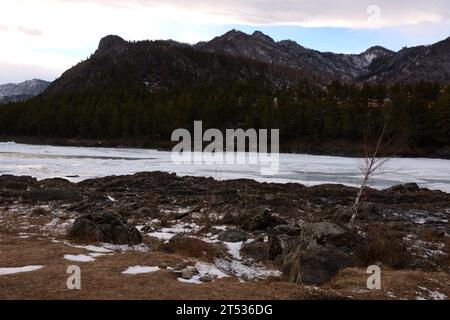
<point>423,63</point>
<point>22,91</point>
<point>260,47</point>
<point>162,65</point>
<point>377,64</point>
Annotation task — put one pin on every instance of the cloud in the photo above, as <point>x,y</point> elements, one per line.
<point>30,31</point>
<point>306,13</point>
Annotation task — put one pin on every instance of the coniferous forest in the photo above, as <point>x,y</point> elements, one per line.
<point>339,111</point>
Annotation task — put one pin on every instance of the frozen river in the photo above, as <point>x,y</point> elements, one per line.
<point>76,164</point>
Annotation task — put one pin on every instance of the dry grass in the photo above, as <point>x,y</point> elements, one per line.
<point>385,246</point>
<point>191,247</point>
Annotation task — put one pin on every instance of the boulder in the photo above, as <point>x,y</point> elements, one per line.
<point>254,220</point>
<point>104,227</point>
<point>322,250</point>
<point>39,212</point>
<point>404,188</point>
<point>53,194</point>
<point>233,235</point>
<point>281,240</point>
<point>229,219</point>
<point>256,250</point>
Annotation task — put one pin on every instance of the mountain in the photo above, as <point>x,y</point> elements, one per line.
<point>258,46</point>
<point>423,63</point>
<point>237,56</point>
<point>22,91</point>
<point>155,65</point>
<point>377,64</point>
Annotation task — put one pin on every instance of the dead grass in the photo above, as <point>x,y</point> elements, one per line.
<point>386,246</point>
<point>191,247</point>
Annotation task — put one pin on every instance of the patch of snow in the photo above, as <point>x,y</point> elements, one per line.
<point>204,269</point>
<point>79,258</point>
<point>140,270</point>
<point>246,272</point>
<point>432,294</point>
<point>234,249</point>
<point>6,271</point>
<point>92,248</point>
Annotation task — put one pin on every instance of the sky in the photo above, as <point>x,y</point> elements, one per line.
<point>43,38</point>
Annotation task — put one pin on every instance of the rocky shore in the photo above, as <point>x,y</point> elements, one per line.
<point>164,236</point>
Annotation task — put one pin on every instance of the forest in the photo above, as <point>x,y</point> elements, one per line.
<point>336,111</point>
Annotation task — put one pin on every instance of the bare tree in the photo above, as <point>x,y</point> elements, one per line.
<point>376,157</point>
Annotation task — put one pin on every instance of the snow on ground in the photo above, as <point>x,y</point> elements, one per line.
<point>79,258</point>
<point>246,272</point>
<point>140,270</point>
<point>77,164</point>
<point>168,233</point>
<point>6,271</point>
<point>427,294</point>
<point>204,269</point>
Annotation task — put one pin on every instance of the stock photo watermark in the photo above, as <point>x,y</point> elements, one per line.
<point>261,152</point>
<point>74,280</point>
<point>374,16</point>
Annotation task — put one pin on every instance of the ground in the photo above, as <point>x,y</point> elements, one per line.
<point>35,217</point>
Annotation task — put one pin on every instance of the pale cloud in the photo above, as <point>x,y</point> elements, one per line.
<point>29,31</point>
<point>306,13</point>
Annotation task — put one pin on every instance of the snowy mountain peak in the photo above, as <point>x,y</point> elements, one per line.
<point>22,91</point>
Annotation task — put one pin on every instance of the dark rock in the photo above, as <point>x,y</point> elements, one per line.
<point>322,251</point>
<point>233,235</point>
<point>104,227</point>
<point>180,215</point>
<point>254,220</point>
<point>257,251</point>
<point>149,212</point>
<point>17,183</point>
<point>53,194</point>
<point>188,272</point>
<point>281,240</point>
<point>404,188</point>
<point>39,212</point>
<point>229,219</point>
<point>206,278</point>
<point>287,229</point>
<point>147,229</point>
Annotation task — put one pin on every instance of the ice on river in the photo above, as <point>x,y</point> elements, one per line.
<point>79,163</point>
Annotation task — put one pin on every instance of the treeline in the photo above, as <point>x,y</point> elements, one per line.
<point>339,111</point>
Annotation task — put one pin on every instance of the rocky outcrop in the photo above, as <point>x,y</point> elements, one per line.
<point>255,220</point>
<point>322,250</point>
<point>104,227</point>
<point>233,235</point>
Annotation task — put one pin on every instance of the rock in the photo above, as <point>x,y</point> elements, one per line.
<point>39,212</point>
<point>254,221</point>
<point>281,240</point>
<point>229,219</point>
<point>287,229</point>
<point>53,194</point>
<point>233,235</point>
<point>322,250</point>
<point>180,215</point>
<point>404,188</point>
<point>149,212</point>
<point>257,251</point>
<point>147,229</point>
<point>188,272</point>
<point>17,183</point>
<point>206,278</point>
<point>104,227</point>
